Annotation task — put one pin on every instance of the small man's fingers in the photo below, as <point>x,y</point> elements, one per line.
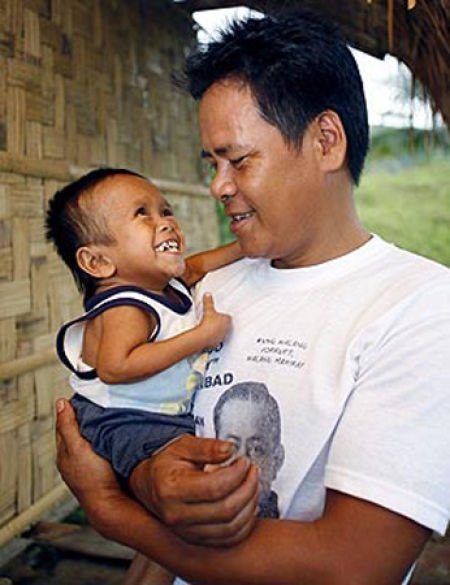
<point>208,302</point>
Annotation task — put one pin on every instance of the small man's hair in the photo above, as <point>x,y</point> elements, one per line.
<point>69,225</point>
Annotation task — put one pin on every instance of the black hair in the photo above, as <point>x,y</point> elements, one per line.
<point>297,65</point>
<point>69,225</point>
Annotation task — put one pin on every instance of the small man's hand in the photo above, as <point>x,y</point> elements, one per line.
<point>214,325</point>
<point>212,509</point>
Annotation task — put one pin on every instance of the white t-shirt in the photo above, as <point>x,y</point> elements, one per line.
<point>355,353</point>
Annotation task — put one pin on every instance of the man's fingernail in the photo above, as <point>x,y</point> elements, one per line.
<point>226,448</point>
<point>59,405</point>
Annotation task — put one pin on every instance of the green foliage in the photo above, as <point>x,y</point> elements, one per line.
<point>224,222</point>
<point>410,207</point>
<point>407,143</point>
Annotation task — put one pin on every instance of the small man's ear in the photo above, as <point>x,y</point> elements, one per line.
<point>331,140</point>
<point>94,262</point>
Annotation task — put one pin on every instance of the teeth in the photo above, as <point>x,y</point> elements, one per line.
<point>241,216</point>
<point>168,246</point>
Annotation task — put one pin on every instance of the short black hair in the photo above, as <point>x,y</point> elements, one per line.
<point>69,225</point>
<point>297,65</point>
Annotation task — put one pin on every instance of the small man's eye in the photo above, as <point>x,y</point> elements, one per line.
<point>167,212</point>
<point>141,211</point>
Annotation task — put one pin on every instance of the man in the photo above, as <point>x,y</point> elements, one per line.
<point>350,334</point>
<point>249,417</point>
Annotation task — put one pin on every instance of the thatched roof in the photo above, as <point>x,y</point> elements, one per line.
<point>417,32</point>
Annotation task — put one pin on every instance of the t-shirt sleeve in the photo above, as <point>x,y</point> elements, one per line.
<point>392,443</point>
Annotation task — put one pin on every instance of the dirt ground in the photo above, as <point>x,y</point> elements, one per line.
<point>46,565</point>
<point>63,549</point>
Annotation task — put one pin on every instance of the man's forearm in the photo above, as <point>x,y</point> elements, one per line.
<point>262,559</point>
<point>326,552</point>
<point>271,555</point>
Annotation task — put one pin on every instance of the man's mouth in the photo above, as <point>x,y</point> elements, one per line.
<point>237,217</point>
<point>168,246</point>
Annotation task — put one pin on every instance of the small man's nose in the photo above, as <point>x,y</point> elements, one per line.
<point>165,227</point>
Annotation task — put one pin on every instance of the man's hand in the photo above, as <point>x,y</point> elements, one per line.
<point>89,476</point>
<point>110,510</point>
<point>212,509</point>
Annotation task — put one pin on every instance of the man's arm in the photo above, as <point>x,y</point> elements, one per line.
<point>129,356</point>
<point>355,542</point>
<point>198,265</point>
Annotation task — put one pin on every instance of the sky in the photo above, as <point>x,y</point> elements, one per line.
<point>379,76</point>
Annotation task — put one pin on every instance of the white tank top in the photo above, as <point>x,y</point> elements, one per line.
<point>168,392</point>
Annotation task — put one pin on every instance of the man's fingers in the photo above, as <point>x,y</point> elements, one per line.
<point>224,534</point>
<point>235,518</point>
<point>200,451</point>
<point>201,489</point>
<point>67,432</point>
<point>221,521</point>
<point>234,494</point>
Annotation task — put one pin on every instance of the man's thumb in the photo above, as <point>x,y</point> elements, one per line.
<point>201,450</point>
<point>66,423</point>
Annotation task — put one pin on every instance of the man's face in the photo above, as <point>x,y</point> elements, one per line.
<point>271,191</point>
<point>245,423</point>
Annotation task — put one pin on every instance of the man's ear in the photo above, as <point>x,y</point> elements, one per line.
<point>91,260</point>
<point>331,141</point>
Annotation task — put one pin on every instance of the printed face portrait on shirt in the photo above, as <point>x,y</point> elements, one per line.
<point>248,416</point>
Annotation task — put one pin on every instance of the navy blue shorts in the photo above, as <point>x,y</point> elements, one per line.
<point>126,436</point>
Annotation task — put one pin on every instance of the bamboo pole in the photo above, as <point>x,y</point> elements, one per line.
<point>183,188</point>
<point>32,514</point>
<point>42,169</point>
<point>27,363</point>
<point>192,189</point>
<point>61,171</point>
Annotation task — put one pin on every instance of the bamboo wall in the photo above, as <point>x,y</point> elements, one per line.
<point>83,83</point>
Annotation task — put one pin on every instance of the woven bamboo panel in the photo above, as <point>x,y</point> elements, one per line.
<point>83,83</point>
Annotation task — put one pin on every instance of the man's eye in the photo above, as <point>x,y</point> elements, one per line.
<point>167,212</point>
<point>141,211</point>
<point>236,162</point>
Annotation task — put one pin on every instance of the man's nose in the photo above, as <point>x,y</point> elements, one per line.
<point>223,187</point>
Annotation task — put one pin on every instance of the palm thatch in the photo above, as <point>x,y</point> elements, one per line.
<point>417,32</point>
